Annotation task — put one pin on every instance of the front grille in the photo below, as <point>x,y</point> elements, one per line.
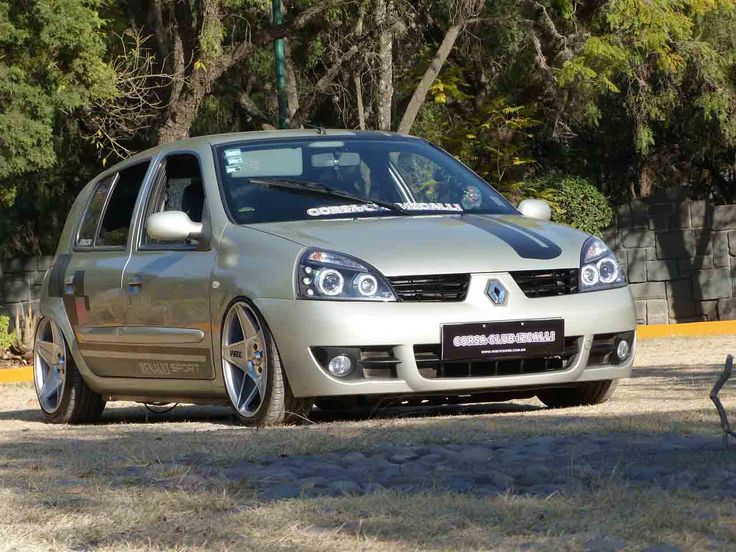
<point>378,362</point>
<point>430,365</point>
<point>547,283</point>
<point>437,288</point>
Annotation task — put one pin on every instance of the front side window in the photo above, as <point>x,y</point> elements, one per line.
<point>266,181</point>
<point>108,217</point>
<point>178,188</point>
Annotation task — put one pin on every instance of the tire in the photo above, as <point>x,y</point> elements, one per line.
<point>71,401</point>
<point>245,371</point>
<point>585,394</point>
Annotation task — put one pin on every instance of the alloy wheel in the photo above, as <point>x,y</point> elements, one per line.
<point>49,365</point>
<point>244,359</point>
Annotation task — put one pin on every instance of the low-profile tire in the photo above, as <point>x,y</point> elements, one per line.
<point>62,393</point>
<point>255,381</point>
<point>585,394</point>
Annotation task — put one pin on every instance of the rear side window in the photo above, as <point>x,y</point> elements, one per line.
<point>119,212</point>
<point>113,200</point>
<point>88,230</point>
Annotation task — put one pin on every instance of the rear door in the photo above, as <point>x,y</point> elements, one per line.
<point>93,297</point>
<point>167,285</point>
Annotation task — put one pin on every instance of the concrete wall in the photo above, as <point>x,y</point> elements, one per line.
<point>20,282</point>
<point>680,258</point>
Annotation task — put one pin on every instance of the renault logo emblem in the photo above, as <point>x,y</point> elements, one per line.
<point>496,292</point>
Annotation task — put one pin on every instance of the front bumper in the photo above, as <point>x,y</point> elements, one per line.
<point>298,325</point>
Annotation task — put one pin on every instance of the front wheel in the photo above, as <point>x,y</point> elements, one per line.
<point>254,377</point>
<point>63,395</point>
<point>589,393</point>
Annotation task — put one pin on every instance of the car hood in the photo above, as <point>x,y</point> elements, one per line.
<point>441,244</point>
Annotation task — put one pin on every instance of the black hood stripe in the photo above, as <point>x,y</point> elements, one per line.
<point>527,243</point>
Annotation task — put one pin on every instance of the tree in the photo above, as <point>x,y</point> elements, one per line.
<point>53,64</point>
<point>203,53</point>
<point>461,13</point>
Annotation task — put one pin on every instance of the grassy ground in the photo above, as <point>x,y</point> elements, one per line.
<point>131,482</point>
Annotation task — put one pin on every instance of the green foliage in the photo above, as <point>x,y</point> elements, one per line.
<point>7,337</point>
<point>52,63</point>
<point>574,201</point>
<point>495,142</point>
<point>653,52</point>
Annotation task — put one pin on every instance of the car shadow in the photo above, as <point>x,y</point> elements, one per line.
<point>223,415</point>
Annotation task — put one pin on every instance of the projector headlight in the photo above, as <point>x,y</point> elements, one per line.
<point>330,275</point>
<point>599,268</point>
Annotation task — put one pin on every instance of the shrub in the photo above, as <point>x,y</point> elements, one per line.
<point>574,201</point>
<point>7,338</point>
<point>25,326</point>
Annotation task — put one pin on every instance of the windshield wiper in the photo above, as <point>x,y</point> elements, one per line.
<point>317,188</point>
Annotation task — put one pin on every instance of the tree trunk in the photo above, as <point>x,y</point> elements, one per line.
<point>385,91</point>
<point>420,92</point>
<point>292,91</point>
<point>184,110</point>
<point>357,80</point>
<point>359,99</point>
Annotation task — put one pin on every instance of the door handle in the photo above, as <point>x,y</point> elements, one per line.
<point>135,283</point>
<point>69,285</point>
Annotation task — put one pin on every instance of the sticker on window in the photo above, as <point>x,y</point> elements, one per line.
<point>280,162</point>
<point>431,207</point>
<point>344,209</point>
<point>372,208</point>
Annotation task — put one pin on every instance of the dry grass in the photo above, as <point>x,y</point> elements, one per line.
<point>80,487</point>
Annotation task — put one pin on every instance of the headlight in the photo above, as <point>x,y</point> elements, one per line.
<point>329,275</point>
<point>599,268</point>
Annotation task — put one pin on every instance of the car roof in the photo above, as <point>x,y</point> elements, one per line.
<point>218,139</point>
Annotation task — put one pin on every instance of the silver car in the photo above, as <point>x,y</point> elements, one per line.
<point>273,271</point>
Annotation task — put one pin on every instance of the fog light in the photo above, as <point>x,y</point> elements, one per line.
<point>340,365</point>
<point>623,349</point>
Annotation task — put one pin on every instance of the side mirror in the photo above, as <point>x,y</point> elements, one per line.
<point>535,208</point>
<point>173,226</point>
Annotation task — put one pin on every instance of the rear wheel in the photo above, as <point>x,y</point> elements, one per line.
<point>254,378</point>
<point>63,395</point>
<point>589,393</point>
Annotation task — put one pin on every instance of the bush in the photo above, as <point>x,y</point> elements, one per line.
<point>574,201</point>
<point>7,338</point>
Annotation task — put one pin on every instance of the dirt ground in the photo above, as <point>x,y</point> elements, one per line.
<point>146,481</point>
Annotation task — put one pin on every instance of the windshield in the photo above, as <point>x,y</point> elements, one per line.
<point>420,178</point>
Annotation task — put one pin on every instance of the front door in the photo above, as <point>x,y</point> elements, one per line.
<point>92,275</point>
<point>167,285</point>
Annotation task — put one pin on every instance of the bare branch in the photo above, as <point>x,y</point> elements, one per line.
<point>114,121</point>
<point>323,84</point>
<point>717,386</point>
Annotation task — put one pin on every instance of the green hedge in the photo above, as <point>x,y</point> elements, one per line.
<point>574,201</point>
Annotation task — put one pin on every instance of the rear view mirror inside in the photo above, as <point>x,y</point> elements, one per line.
<point>336,159</point>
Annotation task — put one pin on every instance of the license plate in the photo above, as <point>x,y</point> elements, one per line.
<point>494,340</point>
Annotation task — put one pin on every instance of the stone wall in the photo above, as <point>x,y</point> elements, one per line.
<point>680,258</point>
<point>20,282</point>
